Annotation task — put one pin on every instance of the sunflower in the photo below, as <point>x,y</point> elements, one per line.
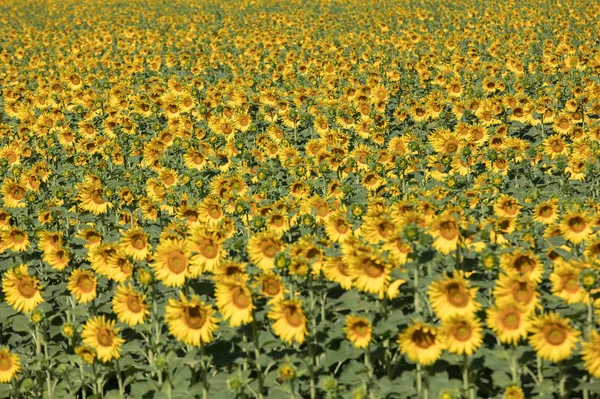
<point>10,365</point>
<point>118,267</point>
<point>555,146</point>
<point>91,237</point>
<point>92,199</point>
<point>82,284</point>
<point>546,212</point>
<point>58,259</point>
<point>336,270</point>
<point>86,353</point>
<point>234,301</point>
<point>277,223</point>
<point>522,263</point>
<point>508,322</point>
<point>101,335</point>
<point>270,286</point>
<point>289,320</point>
<point>590,354</point>
<point>369,273</point>
<point>210,211</point>
<point>129,305</point>
<point>565,283</point>
<point>517,290</point>
<point>575,227</point>
<point>513,392</point>
<point>171,262</point>
<point>13,194</point>
<point>358,331</point>
<point>21,291</point>
<point>421,343</point>
<point>507,206</point>
<point>552,337</point>
<point>205,251</point>
<point>337,227</point>
<point>262,248</point>
<point>134,243</point>
<point>49,240</point>
<point>462,334</point>
<point>15,239</point>
<point>452,296</point>
<point>191,321</point>
<point>445,230</point>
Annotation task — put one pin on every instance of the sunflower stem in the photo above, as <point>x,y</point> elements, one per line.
<point>83,384</point>
<point>416,282</point>
<point>540,375</point>
<point>368,362</point>
<point>590,318</point>
<point>468,392</point>
<point>120,380</point>
<point>419,379</point>
<point>561,381</point>
<point>513,364</point>
<point>257,355</point>
<point>204,377</point>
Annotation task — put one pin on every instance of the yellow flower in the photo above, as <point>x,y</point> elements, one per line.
<point>101,335</point>
<point>513,392</point>
<point>191,321</point>
<point>421,343</point>
<point>508,322</point>
<point>522,263</point>
<point>130,305</point>
<point>591,354</point>
<point>170,262</point>
<point>205,250</point>
<point>452,296</point>
<point>575,227</point>
<point>369,273</point>
<point>262,248</point>
<point>86,353</point>
<point>82,284</point>
<point>289,320</point>
<point>358,331</point>
<point>462,334</point>
<point>446,233</point>
<point>552,337</point>
<point>13,194</point>
<point>21,291</point>
<point>270,286</point>
<point>565,283</point>
<point>234,301</point>
<point>10,365</point>
<point>134,243</point>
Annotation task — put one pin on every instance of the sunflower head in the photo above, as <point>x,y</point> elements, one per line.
<point>358,331</point>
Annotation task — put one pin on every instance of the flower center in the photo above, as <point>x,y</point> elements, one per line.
<point>134,304</point>
<point>85,284</point>
<point>177,262</point>
<point>457,295</point>
<point>96,197</point>
<point>522,292</point>
<point>546,211</point>
<point>105,337</point>
<point>214,212</point>
<point>571,284</point>
<point>270,248</point>
<point>448,230</point>
<point>194,317</point>
<point>577,224</point>
<point>209,249</point>
<point>511,320</point>
<point>5,363</point>
<point>18,193</point>
<point>361,328</point>
<point>138,242</point>
<point>277,220</point>
<point>293,315</point>
<point>524,264</point>
<point>271,287</point>
<point>341,227</point>
<point>555,334</point>
<point>423,339</point>
<point>241,299</point>
<point>27,287</point>
<point>462,332</point>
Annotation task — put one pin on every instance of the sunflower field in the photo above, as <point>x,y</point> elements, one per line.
<point>299,199</point>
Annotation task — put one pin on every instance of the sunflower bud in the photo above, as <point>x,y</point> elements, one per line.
<point>286,372</point>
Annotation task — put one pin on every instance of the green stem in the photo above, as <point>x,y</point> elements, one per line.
<point>540,365</point>
<point>416,282</point>
<point>257,355</point>
<point>513,364</point>
<point>120,380</point>
<point>561,382</point>
<point>419,379</point>
<point>368,362</point>
<point>204,377</point>
<point>468,392</point>
<point>83,385</point>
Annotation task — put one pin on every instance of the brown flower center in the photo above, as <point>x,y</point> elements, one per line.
<point>341,227</point>
<point>138,242</point>
<point>177,262</point>
<point>134,304</point>
<point>214,212</point>
<point>522,292</point>
<point>105,337</point>
<point>294,316</point>
<point>27,287</point>
<point>462,331</point>
<point>17,193</point>
<point>511,320</point>
<point>194,317</point>
<point>240,298</point>
<point>423,339</point>
<point>96,197</point>
<point>271,287</point>
<point>448,230</point>
<point>450,146</point>
<point>269,248</point>
<point>277,221</point>
<point>570,284</point>
<point>546,211</point>
<point>360,328</point>
<point>457,295</point>
<point>577,224</point>
<point>5,363</point>
<point>524,264</point>
<point>555,334</point>
<point>373,269</point>
<point>85,283</point>
<point>209,249</point>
